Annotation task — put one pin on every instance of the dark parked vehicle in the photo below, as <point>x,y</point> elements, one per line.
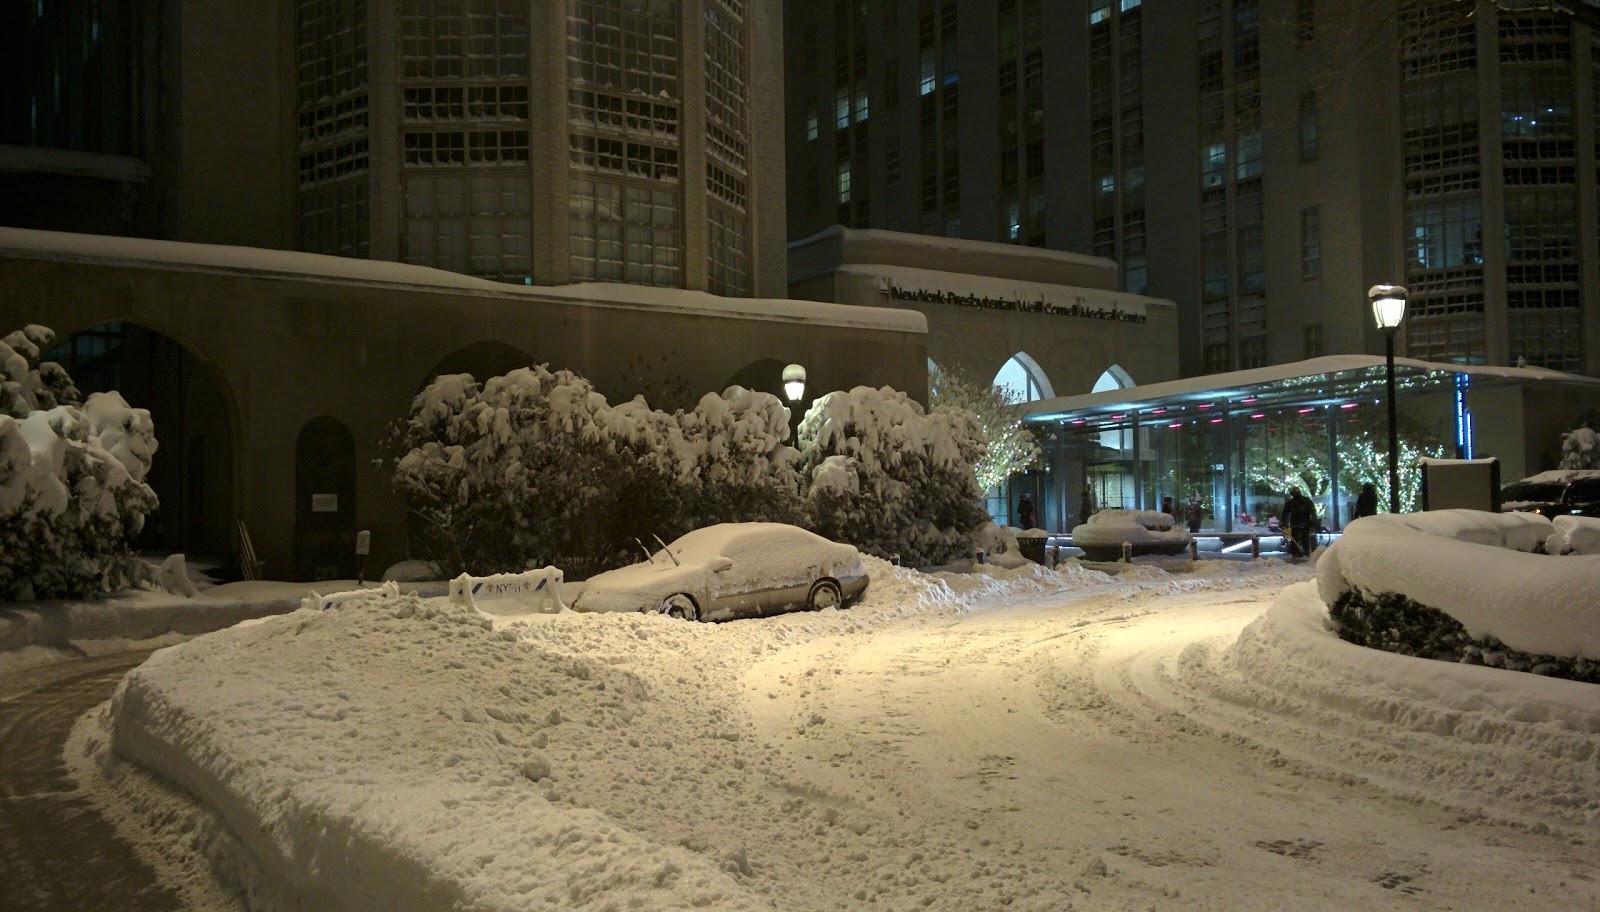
<point>1562,492</point>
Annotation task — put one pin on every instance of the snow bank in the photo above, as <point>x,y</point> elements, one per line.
<point>1295,639</point>
<point>1473,566</point>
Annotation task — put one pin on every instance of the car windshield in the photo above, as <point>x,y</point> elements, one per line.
<point>1532,491</point>
<point>1585,491</point>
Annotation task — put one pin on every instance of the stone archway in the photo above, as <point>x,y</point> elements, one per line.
<point>196,459</point>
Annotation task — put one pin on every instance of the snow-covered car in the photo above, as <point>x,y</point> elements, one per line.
<point>1560,492</point>
<point>733,570</point>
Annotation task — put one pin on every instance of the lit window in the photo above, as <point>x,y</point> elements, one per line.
<point>926,85</point>
<point>844,182</point>
<point>1100,13</point>
<point>861,105</point>
<point>1213,165</point>
<point>841,109</point>
<point>811,123</point>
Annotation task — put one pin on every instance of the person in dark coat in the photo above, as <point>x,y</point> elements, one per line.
<point>1300,522</point>
<point>1025,513</point>
<point>1195,514</point>
<point>1367,501</point>
<point>1169,509</point>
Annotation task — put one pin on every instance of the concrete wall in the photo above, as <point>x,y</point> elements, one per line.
<point>285,351</point>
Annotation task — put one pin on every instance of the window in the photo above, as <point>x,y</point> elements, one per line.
<point>1213,165</point>
<point>623,232</point>
<point>1100,12</point>
<point>1305,21</point>
<point>811,122</point>
<point>1308,127</point>
<point>478,224</point>
<point>1310,243</point>
<point>841,109</point>
<point>929,77</point>
<point>1445,233</point>
<point>1249,159</point>
<point>1252,259</point>
<point>844,182</point>
<point>1312,340</point>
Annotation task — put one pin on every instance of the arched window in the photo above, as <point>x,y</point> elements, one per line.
<point>1023,376</point>
<point>1114,377</point>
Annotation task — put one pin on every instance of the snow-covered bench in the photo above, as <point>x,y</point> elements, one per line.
<point>336,599</point>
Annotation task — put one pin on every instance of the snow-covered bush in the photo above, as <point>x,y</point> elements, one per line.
<point>890,478</point>
<point>536,468</point>
<point>1516,607</point>
<point>1580,449</point>
<point>72,489</point>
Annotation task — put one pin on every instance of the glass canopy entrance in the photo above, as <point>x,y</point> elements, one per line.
<point>1236,443</point>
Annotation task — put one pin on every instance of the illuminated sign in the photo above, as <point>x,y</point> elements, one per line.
<point>1080,307</point>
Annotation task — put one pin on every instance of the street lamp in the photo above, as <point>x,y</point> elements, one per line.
<point>1388,309</point>
<point>794,382</point>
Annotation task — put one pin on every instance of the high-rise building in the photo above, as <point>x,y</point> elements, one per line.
<point>1259,162</point>
<point>527,141</point>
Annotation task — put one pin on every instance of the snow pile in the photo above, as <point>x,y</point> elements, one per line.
<point>1476,567</point>
<point>1574,535</point>
<point>72,490</point>
<point>402,753</point>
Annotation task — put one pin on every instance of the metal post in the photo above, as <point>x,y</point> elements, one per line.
<point>1394,430</point>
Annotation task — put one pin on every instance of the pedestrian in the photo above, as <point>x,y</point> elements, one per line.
<point>1086,506</point>
<point>1025,513</point>
<point>1195,513</point>
<point>1367,501</point>
<point>1169,509</point>
<point>1300,523</point>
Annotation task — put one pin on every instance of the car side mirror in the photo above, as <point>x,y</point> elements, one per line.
<point>721,564</point>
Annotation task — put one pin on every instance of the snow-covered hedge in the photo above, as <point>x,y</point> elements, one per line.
<point>891,478</point>
<point>72,489</point>
<point>1479,568</point>
<point>536,468</point>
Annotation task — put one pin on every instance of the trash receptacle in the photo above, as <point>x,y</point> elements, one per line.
<point>1032,548</point>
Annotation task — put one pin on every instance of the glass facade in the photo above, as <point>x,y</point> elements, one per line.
<point>334,134</point>
<point>1240,446</point>
<point>624,114</point>
<point>727,150</point>
<point>465,137</point>
<point>73,74</point>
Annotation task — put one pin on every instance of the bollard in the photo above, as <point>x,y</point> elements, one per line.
<point>978,556</point>
<point>1255,545</point>
<point>1194,550</point>
<point>1127,552</point>
<point>894,559</point>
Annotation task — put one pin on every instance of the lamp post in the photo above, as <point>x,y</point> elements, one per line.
<point>794,388</point>
<point>1388,309</point>
<point>794,382</point>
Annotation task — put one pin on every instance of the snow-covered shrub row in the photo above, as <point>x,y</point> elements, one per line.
<point>890,478</point>
<point>1484,570</point>
<point>1394,623</point>
<point>72,490</point>
<point>536,468</point>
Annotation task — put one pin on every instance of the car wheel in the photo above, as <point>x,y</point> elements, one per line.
<point>825,594</point>
<point>680,606</point>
